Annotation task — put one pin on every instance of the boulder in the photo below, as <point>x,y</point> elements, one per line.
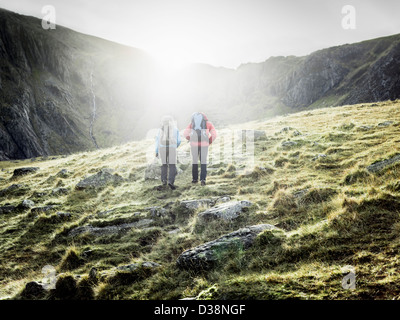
<point>99,180</point>
<point>23,171</point>
<point>207,254</point>
<point>226,211</point>
<point>101,231</point>
<point>377,166</point>
<point>26,204</point>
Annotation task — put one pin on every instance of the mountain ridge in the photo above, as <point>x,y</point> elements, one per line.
<point>47,98</point>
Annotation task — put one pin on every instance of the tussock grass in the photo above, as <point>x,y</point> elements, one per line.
<point>330,209</point>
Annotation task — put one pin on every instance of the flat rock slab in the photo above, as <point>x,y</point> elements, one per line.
<point>377,166</point>
<point>101,231</point>
<point>98,180</point>
<point>205,255</point>
<point>23,171</point>
<point>226,211</point>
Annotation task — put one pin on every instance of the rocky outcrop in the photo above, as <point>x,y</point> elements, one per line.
<point>24,171</point>
<point>227,211</point>
<point>99,180</point>
<point>207,254</point>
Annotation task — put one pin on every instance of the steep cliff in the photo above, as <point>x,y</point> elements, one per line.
<point>52,80</point>
<point>62,91</point>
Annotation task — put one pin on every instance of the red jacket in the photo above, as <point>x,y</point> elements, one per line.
<point>210,132</point>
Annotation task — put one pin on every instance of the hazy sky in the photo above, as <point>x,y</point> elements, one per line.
<point>221,32</point>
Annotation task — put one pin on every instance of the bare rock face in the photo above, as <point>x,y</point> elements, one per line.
<point>207,254</point>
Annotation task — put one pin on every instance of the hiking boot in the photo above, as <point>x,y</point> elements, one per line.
<point>203,182</point>
<point>164,182</point>
<point>195,181</point>
<point>171,186</point>
<point>160,187</point>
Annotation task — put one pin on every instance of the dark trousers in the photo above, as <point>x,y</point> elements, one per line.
<point>168,168</point>
<point>201,153</point>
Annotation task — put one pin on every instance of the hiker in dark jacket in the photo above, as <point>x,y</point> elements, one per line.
<point>201,133</point>
<point>167,140</point>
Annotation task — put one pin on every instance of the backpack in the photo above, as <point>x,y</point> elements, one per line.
<point>199,126</point>
<point>168,135</point>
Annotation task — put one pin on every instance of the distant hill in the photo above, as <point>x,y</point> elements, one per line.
<point>63,91</point>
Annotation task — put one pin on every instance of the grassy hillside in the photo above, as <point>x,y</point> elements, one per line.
<point>332,210</point>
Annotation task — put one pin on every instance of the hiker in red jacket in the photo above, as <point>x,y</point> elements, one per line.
<point>201,133</point>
